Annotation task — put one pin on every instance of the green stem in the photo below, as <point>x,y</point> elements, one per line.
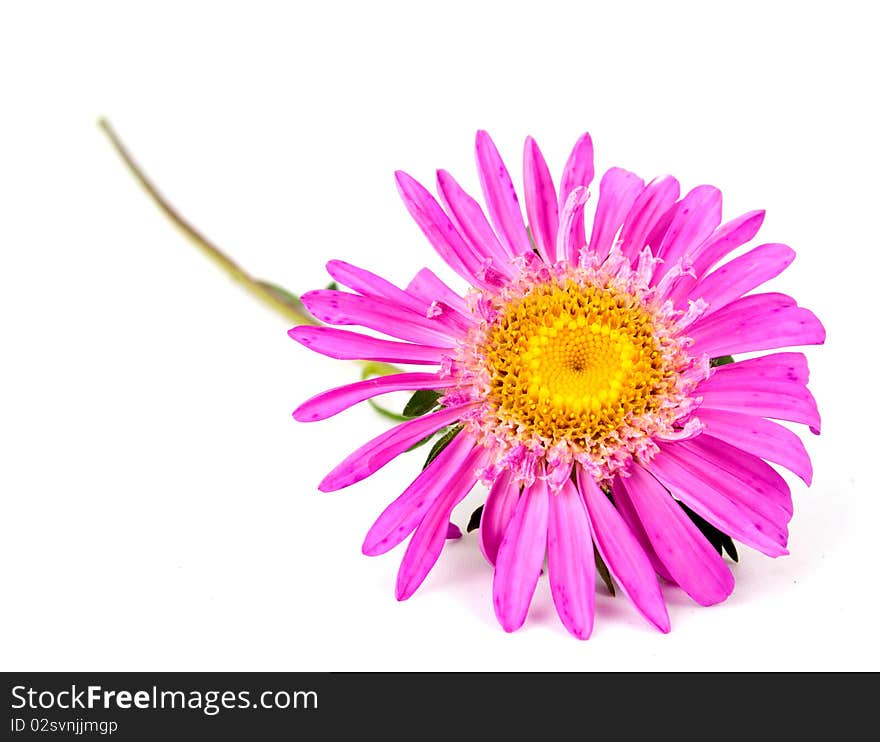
<point>282,301</point>
<point>291,309</point>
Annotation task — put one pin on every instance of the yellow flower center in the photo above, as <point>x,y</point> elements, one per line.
<point>574,362</point>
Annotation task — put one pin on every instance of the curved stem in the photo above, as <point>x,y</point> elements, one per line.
<point>283,302</point>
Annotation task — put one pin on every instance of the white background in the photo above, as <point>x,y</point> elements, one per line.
<point>160,508</point>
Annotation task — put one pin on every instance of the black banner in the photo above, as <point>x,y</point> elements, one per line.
<point>170,706</point>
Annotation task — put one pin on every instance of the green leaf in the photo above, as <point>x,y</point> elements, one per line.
<point>720,361</point>
<point>332,286</point>
<point>602,569</point>
<point>441,443</point>
<point>421,403</point>
<point>474,522</point>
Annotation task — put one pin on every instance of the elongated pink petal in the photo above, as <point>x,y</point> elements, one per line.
<point>376,453</point>
<point>435,225</point>
<point>453,532</point>
<point>800,408</point>
<point>352,346</point>
<point>690,558</point>
<point>427,542</point>
<point>759,488</point>
<point>623,555</point>
<point>725,239</point>
<point>369,284</point>
<point>756,322</point>
<point>333,401</point>
<point>541,204</point>
<point>760,437</point>
<point>427,287</point>
<point>521,556</point>
<point>786,369</point>
<point>578,172</point>
<point>715,504</point>
<point>654,201</point>
<point>741,275</point>
<point>618,191</point>
<point>694,220</point>
<point>497,512</point>
<point>467,215</point>
<point>342,308</point>
<point>500,197</point>
<point>373,286</point>
<point>570,561</point>
<point>402,516</point>
<point>571,227</point>
<point>768,386</point>
<point>631,518</point>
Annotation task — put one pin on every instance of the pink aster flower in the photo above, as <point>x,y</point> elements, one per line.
<point>584,380</point>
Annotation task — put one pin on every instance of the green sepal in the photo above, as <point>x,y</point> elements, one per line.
<point>602,569</point>
<point>720,361</point>
<point>441,443</point>
<point>474,522</point>
<point>720,541</point>
<point>421,403</point>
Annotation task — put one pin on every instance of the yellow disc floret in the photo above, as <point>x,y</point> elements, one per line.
<point>572,362</point>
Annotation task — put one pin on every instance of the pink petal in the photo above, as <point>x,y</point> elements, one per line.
<point>768,386</point>
<point>352,346</point>
<point>568,238</point>
<point>369,284</point>
<point>623,555</point>
<point>497,512</point>
<point>692,561</point>
<point>402,516</point>
<point>618,191</point>
<point>570,561</point>
<point>774,368</point>
<point>631,518</point>
<point>376,453</point>
<point>500,197</point>
<point>654,201</point>
<point>342,308</point>
<point>427,542</point>
<point>435,225</point>
<point>725,239</point>
<point>715,502</point>
<point>761,488</point>
<point>741,275</point>
<point>694,220</point>
<point>578,171</point>
<point>541,204</point>
<point>755,322</point>
<point>467,215</point>
<point>759,437</point>
<point>521,556</point>
<point>453,532</point>
<point>333,401</point>
<point>426,287</point>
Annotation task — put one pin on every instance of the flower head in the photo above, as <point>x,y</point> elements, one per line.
<point>585,380</point>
